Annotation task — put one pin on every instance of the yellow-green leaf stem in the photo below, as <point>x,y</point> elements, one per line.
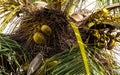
<point>81,46</point>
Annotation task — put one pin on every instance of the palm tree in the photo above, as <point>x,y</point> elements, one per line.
<point>47,38</point>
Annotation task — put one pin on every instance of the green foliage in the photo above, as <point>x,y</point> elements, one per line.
<point>70,62</point>
<point>10,53</point>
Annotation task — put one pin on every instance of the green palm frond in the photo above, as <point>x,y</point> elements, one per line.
<point>10,53</point>
<point>70,62</point>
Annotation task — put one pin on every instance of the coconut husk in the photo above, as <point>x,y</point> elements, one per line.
<point>62,36</point>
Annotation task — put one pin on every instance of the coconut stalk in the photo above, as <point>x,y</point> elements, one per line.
<point>70,7</point>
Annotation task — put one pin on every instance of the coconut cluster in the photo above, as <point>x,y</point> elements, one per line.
<point>45,30</point>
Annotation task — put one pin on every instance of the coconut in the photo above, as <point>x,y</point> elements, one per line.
<point>46,30</point>
<point>38,38</point>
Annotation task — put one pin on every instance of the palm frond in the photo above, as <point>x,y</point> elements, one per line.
<point>9,10</point>
<point>70,62</point>
<point>10,53</point>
